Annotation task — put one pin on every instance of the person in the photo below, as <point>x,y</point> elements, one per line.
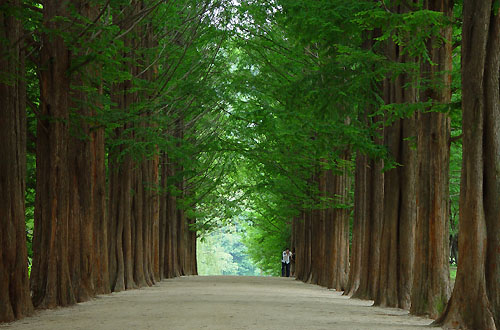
<point>285,263</point>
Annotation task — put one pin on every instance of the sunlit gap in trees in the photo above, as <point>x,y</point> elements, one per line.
<point>223,252</point>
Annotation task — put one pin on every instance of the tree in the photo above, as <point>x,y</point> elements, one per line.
<point>86,157</point>
<point>430,291</point>
<point>50,276</point>
<point>474,301</point>
<point>14,283</point>
<point>337,226</point>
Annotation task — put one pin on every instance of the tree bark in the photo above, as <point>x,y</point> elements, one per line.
<point>165,253</point>
<point>300,247</point>
<point>14,283</point>
<point>337,218</point>
<point>50,278</point>
<point>474,303</point>
<point>193,267</point>
<point>120,210</point>
<point>100,215</point>
<point>172,226</point>
<point>88,221</point>
<point>370,228</point>
<point>431,291</point>
<point>398,226</point>
<point>317,231</point>
<point>368,210</point>
<point>361,185</point>
<point>307,247</point>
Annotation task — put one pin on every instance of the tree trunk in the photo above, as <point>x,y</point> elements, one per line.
<point>371,229</point>
<point>127,219</point>
<point>138,220</point>
<point>474,303</point>
<point>431,291</point>
<point>193,268</point>
<point>81,217</point>
<point>307,247</point>
<point>120,211</point>
<point>14,283</point>
<point>337,247</point>
<point>162,218</point>
<point>361,188</point>
<point>100,216</point>
<point>368,210</point>
<point>172,225</point>
<point>154,201</point>
<point>293,247</point>
<point>325,272</point>
<point>300,247</point>
<point>492,165</point>
<point>50,278</point>
<point>88,220</point>
<point>398,226</point>
<point>317,231</point>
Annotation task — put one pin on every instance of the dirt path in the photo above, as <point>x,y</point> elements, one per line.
<point>221,303</point>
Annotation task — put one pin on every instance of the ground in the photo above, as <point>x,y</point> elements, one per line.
<point>223,303</point>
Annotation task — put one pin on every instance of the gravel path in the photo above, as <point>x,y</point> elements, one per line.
<point>223,303</point>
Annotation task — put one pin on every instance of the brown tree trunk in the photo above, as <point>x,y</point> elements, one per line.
<point>342,222</point>
<point>181,241</point>
<point>371,231</point>
<point>293,247</point>
<point>361,188</point>
<point>192,267</point>
<point>474,303</point>
<point>398,225</point>
<point>431,291</point>
<point>100,215</point>
<point>88,221</point>
<point>138,221</point>
<point>337,248</point>
<point>80,247</point>
<point>304,248</point>
<point>117,198</point>
<point>165,254</point>
<point>368,211</point>
<point>492,165</point>
<point>120,210</point>
<point>325,235</point>
<point>14,283</point>
<point>317,231</point>
<point>50,278</point>
<point>154,201</point>
<point>307,247</point>
<point>300,247</point>
<point>172,226</point>
<point>145,203</point>
<point>128,223</point>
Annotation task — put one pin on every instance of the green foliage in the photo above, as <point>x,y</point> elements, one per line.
<point>453,272</point>
<point>248,99</point>
<point>266,239</point>
<point>222,253</point>
<point>301,79</point>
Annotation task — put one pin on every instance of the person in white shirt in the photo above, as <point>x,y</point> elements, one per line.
<point>285,263</point>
